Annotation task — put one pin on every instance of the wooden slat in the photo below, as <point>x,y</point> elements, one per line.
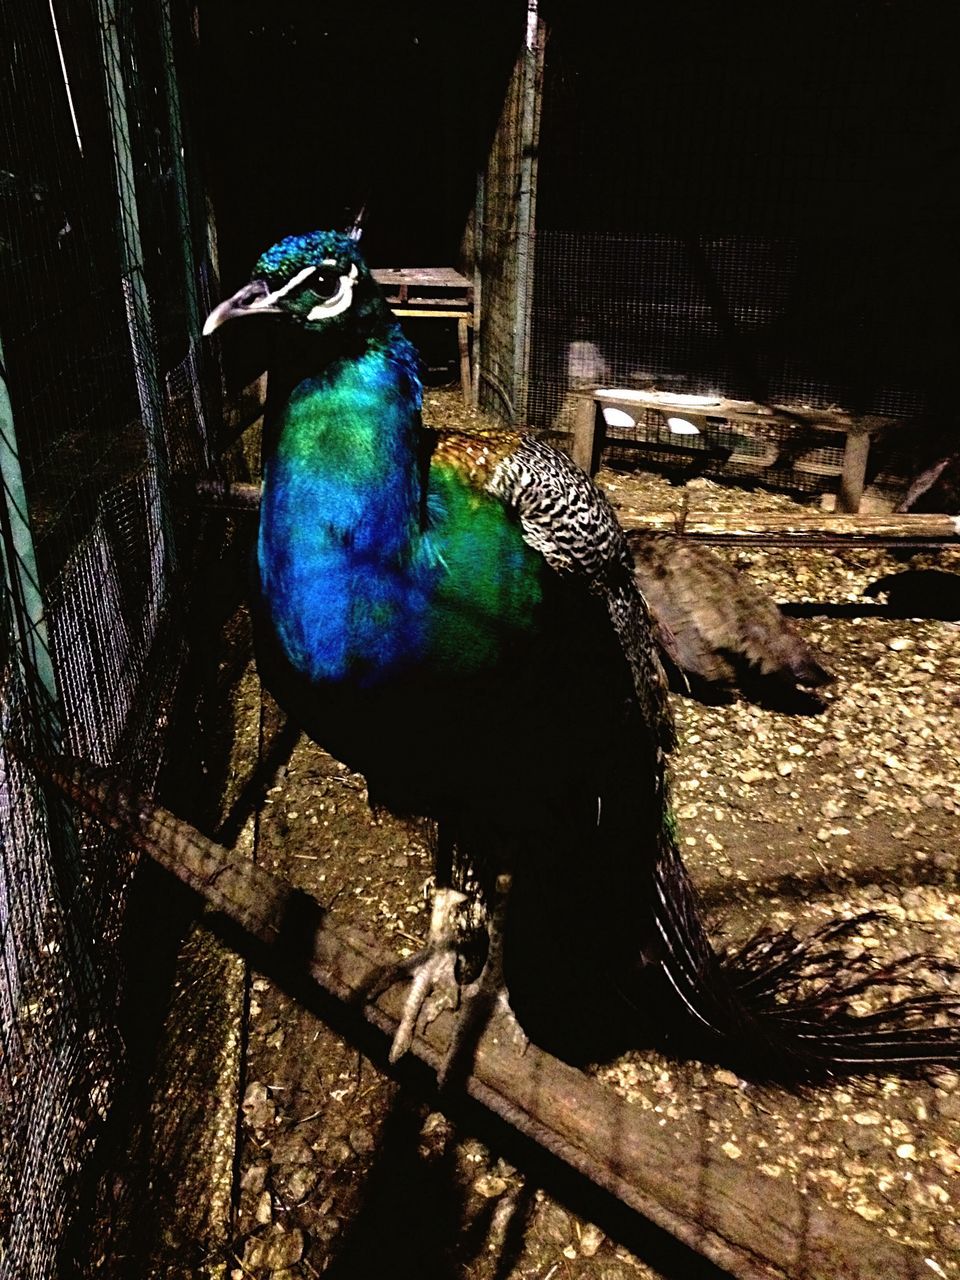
<point>754,1227</point>
<point>442,311</point>
<point>419,277</point>
<point>820,528</point>
<point>748,412</point>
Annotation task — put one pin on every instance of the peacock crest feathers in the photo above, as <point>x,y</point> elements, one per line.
<point>282,261</point>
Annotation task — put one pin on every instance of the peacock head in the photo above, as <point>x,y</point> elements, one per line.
<point>313,280</point>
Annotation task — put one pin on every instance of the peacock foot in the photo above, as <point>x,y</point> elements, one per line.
<point>434,986</point>
<point>484,1008</point>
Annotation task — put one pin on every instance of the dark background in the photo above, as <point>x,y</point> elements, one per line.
<point>794,167</point>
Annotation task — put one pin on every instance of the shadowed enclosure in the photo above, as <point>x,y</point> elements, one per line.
<point>746,201</point>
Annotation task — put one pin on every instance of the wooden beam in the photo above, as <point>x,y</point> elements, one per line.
<point>820,529</point>
<point>445,312</point>
<point>754,1227</point>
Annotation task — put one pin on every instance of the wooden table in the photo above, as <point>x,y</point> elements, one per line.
<point>438,293</point>
<point>589,427</point>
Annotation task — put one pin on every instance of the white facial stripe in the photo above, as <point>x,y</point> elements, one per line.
<point>340,300</point>
<point>272,298</point>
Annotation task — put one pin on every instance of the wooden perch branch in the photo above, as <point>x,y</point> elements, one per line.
<point>724,526</point>
<point>751,1226</point>
<point>817,529</point>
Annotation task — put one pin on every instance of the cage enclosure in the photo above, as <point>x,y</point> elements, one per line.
<point>705,239</point>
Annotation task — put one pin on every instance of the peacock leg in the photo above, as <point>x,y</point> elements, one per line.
<point>434,986</point>
<point>486,997</point>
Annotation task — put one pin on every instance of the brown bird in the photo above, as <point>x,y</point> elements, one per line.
<point>717,630</point>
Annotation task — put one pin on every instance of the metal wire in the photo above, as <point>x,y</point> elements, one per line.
<point>99,286</point>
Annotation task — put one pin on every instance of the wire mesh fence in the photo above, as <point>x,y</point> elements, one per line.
<point>102,265</point>
<point>738,203</point>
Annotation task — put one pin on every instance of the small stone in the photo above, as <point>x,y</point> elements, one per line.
<point>361,1140</point>
<point>750,776</point>
<point>555,1224</point>
<point>275,1251</point>
<point>292,1148</point>
<point>731,1150</point>
<point>283,1249</point>
<point>868,1117</point>
<point>900,643</point>
<point>301,1180</point>
<point>254,1178</point>
<point>254,1094</point>
<point>264,1210</point>
<point>785,768</point>
<point>591,1238</point>
<point>339,1152</point>
<point>570,1252</point>
<point>867,1210</point>
<point>258,1110</point>
<point>948,1105</point>
<point>489,1185</point>
<point>907,1151</point>
<point>723,1076</point>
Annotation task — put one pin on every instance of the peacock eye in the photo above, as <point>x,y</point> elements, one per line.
<point>324,282</point>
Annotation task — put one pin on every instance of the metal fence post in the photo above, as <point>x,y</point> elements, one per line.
<point>136,299</point>
<point>34,659</point>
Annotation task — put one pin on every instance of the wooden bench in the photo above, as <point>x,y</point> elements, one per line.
<point>438,293</point>
<point>755,420</point>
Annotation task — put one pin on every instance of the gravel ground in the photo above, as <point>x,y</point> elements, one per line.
<point>784,820</point>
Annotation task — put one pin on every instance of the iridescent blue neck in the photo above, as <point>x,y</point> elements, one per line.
<point>339,520</point>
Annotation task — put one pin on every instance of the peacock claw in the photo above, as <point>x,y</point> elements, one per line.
<point>484,1004</point>
<point>434,986</point>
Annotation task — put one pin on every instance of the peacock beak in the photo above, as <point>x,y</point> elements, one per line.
<point>253,299</point>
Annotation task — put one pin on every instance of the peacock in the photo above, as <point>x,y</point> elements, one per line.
<point>718,630</point>
<point>455,616</point>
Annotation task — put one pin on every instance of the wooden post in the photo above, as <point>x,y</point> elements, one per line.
<point>584,450</point>
<point>463,342</point>
<point>854,472</point>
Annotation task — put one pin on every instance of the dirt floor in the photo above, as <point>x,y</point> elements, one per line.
<point>784,820</point>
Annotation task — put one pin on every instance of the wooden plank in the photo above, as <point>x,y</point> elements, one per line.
<point>421,277</point>
<point>756,1228</point>
<point>744,411</point>
<point>821,528</point>
<point>442,311</point>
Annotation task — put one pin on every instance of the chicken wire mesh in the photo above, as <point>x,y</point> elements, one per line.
<point>739,202</point>
<point>102,268</point>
